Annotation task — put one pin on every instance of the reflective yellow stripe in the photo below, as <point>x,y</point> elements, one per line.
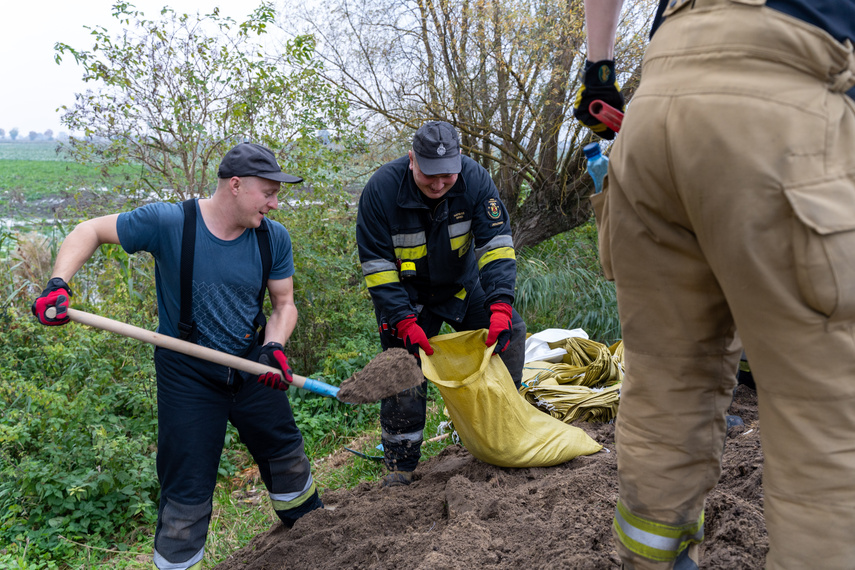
<point>411,252</point>
<point>652,540</point>
<point>461,294</point>
<point>460,241</point>
<point>293,503</point>
<point>195,561</point>
<point>500,253</point>
<point>378,265</point>
<point>381,278</point>
<point>408,240</point>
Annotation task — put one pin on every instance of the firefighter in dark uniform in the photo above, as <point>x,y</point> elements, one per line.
<point>435,246</point>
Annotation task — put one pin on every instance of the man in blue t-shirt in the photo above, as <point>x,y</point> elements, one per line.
<point>730,205</point>
<point>196,398</point>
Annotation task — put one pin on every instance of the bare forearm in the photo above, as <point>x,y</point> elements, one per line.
<point>280,325</point>
<point>82,243</point>
<point>601,20</point>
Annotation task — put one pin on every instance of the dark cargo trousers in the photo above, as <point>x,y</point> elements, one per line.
<point>195,399</point>
<point>402,417</point>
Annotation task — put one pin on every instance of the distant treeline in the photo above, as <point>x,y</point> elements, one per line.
<point>15,135</point>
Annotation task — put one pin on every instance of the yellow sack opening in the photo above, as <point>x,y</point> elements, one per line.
<point>493,421</point>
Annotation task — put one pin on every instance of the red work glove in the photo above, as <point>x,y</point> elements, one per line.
<point>413,336</point>
<point>56,294</point>
<point>500,327</point>
<point>272,355</point>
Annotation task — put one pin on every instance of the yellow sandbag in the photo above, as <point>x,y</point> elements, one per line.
<point>538,372</point>
<point>570,403</point>
<point>494,423</point>
<point>588,363</point>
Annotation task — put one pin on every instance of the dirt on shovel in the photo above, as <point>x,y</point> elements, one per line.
<point>390,372</point>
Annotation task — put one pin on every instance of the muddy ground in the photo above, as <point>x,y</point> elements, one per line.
<point>463,513</point>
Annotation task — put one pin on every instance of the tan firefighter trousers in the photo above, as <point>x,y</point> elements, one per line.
<point>731,206</point>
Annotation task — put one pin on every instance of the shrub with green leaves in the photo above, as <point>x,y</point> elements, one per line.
<point>76,438</point>
<point>330,293</point>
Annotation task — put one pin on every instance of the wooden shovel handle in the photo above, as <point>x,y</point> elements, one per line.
<point>190,349</point>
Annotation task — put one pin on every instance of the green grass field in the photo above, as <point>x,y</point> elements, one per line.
<point>30,151</point>
<point>34,171</point>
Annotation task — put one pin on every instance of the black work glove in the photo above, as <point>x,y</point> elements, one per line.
<point>56,294</point>
<point>271,355</point>
<point>600,83</point>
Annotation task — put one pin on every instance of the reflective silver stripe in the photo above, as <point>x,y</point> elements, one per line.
<point>459,228</point>
<point>495,243</point>
<point>288,497</point>
<point>409,240</point>
<point>164,564</point>
<point>376,266</point>
<point>653,540</point>
<point>414,436</point>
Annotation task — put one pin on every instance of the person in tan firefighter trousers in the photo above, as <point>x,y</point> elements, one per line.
<point>435,246</point>
<point>730,205</point>
<point>214,260</point>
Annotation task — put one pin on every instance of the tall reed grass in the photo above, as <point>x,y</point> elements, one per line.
<point>560,285</point>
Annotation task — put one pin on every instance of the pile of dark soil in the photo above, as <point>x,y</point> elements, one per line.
<point>463,513</point>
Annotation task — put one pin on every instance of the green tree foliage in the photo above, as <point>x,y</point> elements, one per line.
<point>335,312</point>
<point>504,72</point>
<point>174,93</point>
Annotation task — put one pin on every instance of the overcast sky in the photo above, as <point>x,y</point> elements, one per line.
<point>33,86</point>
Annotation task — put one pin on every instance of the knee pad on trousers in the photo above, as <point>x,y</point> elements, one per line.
<point>181,532</point>
<point>291,486</point>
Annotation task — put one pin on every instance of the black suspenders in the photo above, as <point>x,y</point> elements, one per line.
<point>186,324</point>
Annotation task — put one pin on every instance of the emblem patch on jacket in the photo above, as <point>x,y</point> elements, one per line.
<point>493,209</point>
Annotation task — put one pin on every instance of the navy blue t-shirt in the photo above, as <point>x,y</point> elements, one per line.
<point>226,274</point>
<point>837,17</point>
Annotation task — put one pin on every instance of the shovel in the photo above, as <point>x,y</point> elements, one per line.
<point>409,378</point>
<point>380,447</point>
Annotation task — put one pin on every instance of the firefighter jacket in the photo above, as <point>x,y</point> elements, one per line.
<point>413,257</point>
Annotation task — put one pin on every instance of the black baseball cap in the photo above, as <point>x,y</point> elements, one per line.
<point>437,149</point>
<point>250,159</point>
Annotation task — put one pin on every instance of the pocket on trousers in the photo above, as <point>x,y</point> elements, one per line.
<point>824,244</point>
<point>598,201</point>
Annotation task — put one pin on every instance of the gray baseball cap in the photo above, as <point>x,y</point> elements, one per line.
<point>437,149</point>
<point>250,159</point>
